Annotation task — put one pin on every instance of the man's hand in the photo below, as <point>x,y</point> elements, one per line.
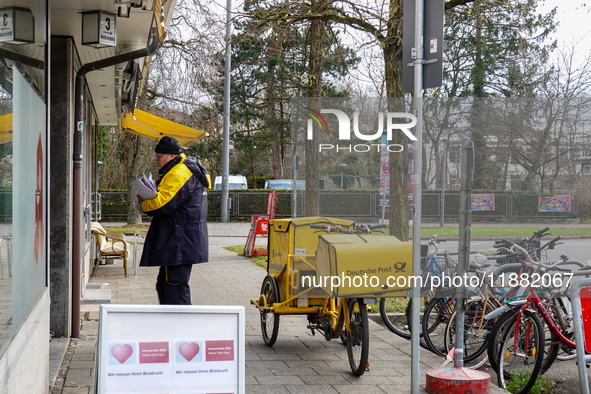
<point>139,199</point>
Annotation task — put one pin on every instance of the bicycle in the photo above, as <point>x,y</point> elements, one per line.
<point>528,267</point>
<point>434,266</point>
<point>479,308</point>
<point>519,335</point>
<point>440,314</point>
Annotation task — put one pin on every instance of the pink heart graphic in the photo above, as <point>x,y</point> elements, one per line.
<point>122,352</point>
<point>189,350</point>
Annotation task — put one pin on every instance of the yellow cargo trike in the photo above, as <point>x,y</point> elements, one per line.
<point>330,278</point>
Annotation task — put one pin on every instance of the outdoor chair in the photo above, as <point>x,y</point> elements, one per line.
<point>110,245</point>
<point>7,239</point>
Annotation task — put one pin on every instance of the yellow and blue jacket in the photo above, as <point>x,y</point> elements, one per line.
<point>178,233</point>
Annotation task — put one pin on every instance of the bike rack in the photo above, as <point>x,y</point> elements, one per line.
<point>582,326</point>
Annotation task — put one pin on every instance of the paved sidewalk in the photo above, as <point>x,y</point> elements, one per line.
<point>298,363</point>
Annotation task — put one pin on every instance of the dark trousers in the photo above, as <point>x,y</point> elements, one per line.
<point>173,285</point>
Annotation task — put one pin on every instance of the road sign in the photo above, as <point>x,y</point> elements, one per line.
<point>432,44</point>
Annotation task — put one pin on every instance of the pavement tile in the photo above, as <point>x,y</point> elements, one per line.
<point>365,389</point>
<point>277,356</point>
<point>261,389</point>
<point>266,365</point>
<point>384,371</point>
<point>91,348</point>
<point>76,390</point>
<point>248,380</point>
<point>311,389</point>
<point>367,378</point>
<point>84,364</point>
<point>319,380</point>
<point>79,377</point>
<point>278,380</point>
<point>251,357</point>
<point>343,364</point>
<point>312,355</point>
<point>82,357</point>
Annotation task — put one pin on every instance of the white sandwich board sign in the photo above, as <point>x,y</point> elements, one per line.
<point>169,349</point>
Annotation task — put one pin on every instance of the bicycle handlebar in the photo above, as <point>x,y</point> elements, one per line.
<point>550,266</point>
<point>375,226</point>
<point>550,244</point>
<point>336,228</point>
<point>540,233</point>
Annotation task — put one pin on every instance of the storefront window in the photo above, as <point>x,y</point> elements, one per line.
<point>23,161</point>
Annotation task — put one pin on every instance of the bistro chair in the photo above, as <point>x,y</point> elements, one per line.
<point>110,245</point>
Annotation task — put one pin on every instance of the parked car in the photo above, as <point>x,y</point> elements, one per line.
<point>285,184</point>
<point>234,182</point>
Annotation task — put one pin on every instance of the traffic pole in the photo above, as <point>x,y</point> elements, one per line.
<point>459,379</point>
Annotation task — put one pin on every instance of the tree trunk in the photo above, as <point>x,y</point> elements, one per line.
<point>133,146</point>
<point>481,160</point>
<point>398,161</point>
<point>274,130</point>
<point>314,91</point>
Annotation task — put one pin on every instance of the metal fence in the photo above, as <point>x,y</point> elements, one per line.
<point>5,207</point>
<point>359,205</point>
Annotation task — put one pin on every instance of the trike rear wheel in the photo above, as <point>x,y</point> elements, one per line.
<point>270,320</point>
<point>358,336</point>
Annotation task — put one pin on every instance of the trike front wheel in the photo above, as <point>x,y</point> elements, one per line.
<point>269,320</point>
<point>358,336</point>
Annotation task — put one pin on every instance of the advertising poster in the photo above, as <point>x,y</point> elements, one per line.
<point>171,349</point>
<point>483,202</point>
<point>554,204</point>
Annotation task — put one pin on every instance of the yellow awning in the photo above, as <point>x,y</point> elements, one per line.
<point>5,128</point>
<point>155,127</point>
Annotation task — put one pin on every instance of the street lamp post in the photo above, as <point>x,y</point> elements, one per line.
<point>342,165</point>
<point>444,137</point>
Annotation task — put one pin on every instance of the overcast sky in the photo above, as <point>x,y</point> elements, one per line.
<point>574,27</point>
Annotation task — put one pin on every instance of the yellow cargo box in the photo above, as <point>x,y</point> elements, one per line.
<point>362,265</point>
<point>294,237</point>
<point>292,254</point>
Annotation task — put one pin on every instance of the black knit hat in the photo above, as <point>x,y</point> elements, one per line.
<point>168,145</point>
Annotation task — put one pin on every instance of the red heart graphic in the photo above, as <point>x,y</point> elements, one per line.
<point>189,350</point>
<point>122,352</point>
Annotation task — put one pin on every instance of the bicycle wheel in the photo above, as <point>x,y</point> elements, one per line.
<point>476,332</point>
<point>343,337</point>
<point>426,296</point>
<point>269,320</point>
<point>394,322</point>
<point>495,336</point>
<point>358,336</point>
<point>566,352</point>
<point>561,313</point>
<point>521,352</point>
<point>493,344</point>
<point>551,344</point>
<point>437,314</point>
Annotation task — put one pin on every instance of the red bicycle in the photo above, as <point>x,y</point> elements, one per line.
<point>518,339</point>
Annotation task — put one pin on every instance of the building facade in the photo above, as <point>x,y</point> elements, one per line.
<point>66,66</point>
